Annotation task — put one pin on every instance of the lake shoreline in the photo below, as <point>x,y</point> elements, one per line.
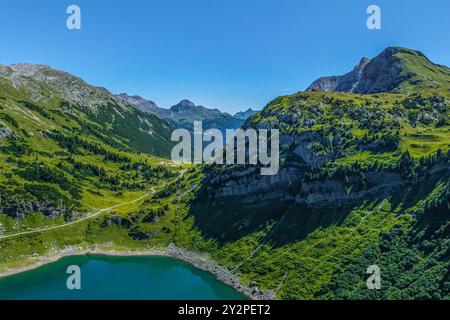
<point>199,261</point>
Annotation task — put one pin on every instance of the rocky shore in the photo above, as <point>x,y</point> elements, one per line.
<point>199,261</point>
<point>223,274</point>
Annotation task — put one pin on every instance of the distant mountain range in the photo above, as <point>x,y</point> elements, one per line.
<point>244,115</point>
<point>186,112</point>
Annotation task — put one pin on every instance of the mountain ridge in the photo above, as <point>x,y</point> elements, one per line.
<point>47,90</point>
<point>396,69</point>
<point>364,180</point>
<point>184,113</point>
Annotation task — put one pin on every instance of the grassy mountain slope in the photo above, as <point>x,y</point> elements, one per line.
<point>420,73</point>
<point>65,100</point>
<point>67,147</point>
<point>364,180</point>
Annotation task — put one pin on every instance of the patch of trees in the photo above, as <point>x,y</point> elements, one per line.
<point>414,259</point>
<point>166,192</point>
<point>433,103</point>
<point>38,109</point>
<point>154,215</point>
<point>9,119</point>
<point>40,172</point>
<point>157,172</point>
<point>16,146</point>
<point>381,142</point>
<point>88,169</point>
<point>407,166</point>
<point>72,143</point>
<point>413,168</point>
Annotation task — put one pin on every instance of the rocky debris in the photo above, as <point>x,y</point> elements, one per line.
<point>150,218</point>
<point>20,209</point>
<point>223,274</point>
<point>140,235</point>
<point>6,132</point>
<point>117,221</point>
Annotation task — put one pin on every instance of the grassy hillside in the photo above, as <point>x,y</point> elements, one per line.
<point>364,180</point>
<point>421,73</point>
<point>60,158</point>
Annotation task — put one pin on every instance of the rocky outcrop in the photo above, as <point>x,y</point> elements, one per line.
<point>331,192</point>
<point>6,132</point>
<point>20,209</point>
<point>346,83</point>
<point>145,105</point>
<point>257,190</point>
<point>384,73</point>
<point>117,221</point>
<point>244,115</point>
<point>223,274</point>
<point>139,235</point>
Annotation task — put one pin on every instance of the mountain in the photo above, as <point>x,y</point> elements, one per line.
<point>396,69</point>
<point>244,115</point>
<point>364,180</point>
<point>144,105</point>
<point>184,113</point>
<point>66,147</point>
<point>58,96</point>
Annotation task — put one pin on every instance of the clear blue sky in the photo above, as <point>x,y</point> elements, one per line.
<point>230,54</point>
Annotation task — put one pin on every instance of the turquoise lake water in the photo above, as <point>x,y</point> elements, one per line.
<point>117,278</point>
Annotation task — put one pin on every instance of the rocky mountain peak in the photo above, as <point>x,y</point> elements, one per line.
<point>393,70</point>
<point>183,105</point>
<point>62,84</point>
<point>244,115</point>
<point>28,68</point>
<point>139,102</point>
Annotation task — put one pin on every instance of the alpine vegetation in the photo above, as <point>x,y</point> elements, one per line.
<point>242,147</point>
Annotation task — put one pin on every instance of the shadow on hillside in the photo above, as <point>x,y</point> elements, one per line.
<point>230,219</point>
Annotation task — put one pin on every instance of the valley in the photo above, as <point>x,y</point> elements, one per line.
<point>364,179</point>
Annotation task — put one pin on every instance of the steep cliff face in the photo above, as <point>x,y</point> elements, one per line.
<point>337,152</point>
<point>346,83</point>
<point>364,179</point>
<point>394,70</point>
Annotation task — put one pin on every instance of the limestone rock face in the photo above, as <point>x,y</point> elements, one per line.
<point>346,83</point>
<point>384,73</point>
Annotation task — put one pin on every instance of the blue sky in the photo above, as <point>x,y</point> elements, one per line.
<point>230,54</point>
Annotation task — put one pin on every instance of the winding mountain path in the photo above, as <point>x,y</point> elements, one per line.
<point>91,216</point>
<point>41,230</point>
